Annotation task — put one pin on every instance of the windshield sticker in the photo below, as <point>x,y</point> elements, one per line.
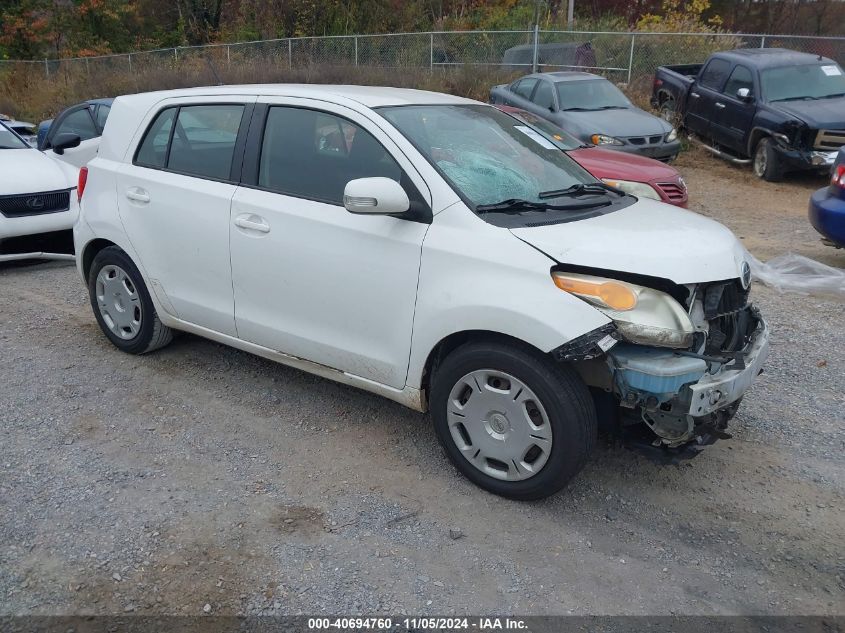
<point>537,138</point>
<point>831,71</point>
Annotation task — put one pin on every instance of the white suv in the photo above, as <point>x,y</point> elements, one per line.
<point>427,248</point>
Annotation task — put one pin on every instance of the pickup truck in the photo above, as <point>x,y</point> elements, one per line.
<point>780,110</point>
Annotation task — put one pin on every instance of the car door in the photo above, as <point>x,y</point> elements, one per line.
<point>311,279</point>
<point>78,120</point>
<point>703,95</point>
<point>174,198</point>
<point>732,116</point>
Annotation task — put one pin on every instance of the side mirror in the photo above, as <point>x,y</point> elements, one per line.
<point>375,196</point>
<point>743,94</point>
<point>64,141</point>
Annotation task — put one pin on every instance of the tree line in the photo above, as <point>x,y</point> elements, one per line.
<point>35,29</point>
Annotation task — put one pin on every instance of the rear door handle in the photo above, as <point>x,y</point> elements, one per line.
<point>720,105</point>
<point>252,222</point>
<point>694,94</point>
<point>138,195</point>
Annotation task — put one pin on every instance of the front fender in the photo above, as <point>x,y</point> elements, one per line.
<point>477,277</point>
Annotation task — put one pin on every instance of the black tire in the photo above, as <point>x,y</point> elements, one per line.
<point>152,333</point>
<point>563,395</point>
<point>766,163</point>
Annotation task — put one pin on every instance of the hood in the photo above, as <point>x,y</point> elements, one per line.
<point>646,238</point>
<point>608,163</point>
<point>616,122</point>
<point>825,114</point>
<point>30,171</point>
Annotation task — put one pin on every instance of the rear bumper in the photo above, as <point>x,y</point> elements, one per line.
<point>827,215</point>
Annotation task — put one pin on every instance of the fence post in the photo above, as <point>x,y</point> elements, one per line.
<point>536,48</point>
<point>228,56</point>
<point>130,63</point>
<point>356,50</point>
<point>431,51</point>
<point>631,57</point>
<point>763,42</point>
<point>47,68</point>
<point>176,54</point>
<point>290,54</point>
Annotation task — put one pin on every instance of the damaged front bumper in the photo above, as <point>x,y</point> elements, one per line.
<point>683,396</point>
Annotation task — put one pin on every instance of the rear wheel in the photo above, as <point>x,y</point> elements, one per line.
<point>513,421</point>
<point>766,162</point>
<point>122,305</point>
<point>667,112</point>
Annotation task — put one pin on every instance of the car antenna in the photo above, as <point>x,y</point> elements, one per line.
<point>213,71</point>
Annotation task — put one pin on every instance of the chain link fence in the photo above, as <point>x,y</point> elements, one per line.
<point>622,57</point>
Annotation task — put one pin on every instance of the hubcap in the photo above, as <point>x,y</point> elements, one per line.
<point>118,301</point>
<point>499,425</point>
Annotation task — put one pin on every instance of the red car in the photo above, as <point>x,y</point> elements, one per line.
<point>640,176</point>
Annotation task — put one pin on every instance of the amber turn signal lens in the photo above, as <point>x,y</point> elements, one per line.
<point>614,294</point>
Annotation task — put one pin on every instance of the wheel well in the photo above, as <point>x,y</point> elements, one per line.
<point>663,96</point>
<point>754,139</point>
<point>455,340</point>
<point>91,249</point>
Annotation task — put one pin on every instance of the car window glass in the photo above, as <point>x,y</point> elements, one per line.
<point>204,140</point>
<point>544,95</point>
<point>102,115</point>
<point>153,149</point>
<point>715,73</point>
<point>313,154</point>
<point>525,87</point>
<point>590,94</point>
<point>740,78</point>
<point>78,122</point>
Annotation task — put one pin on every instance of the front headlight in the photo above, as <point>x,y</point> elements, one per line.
<point>642,315</point>
<point>639,189</point>
<point>603,139</point>
<point>671,136</point>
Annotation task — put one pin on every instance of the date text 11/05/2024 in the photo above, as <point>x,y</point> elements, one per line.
<point>418,624</point>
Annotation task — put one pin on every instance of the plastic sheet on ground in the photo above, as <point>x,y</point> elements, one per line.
<point>796,273</point>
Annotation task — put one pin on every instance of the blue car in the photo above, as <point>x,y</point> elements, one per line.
<point>827,206</point>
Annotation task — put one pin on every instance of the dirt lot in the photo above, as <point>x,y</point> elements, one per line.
<point>200,475</point>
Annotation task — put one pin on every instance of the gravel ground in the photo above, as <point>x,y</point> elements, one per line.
<point>201,479</point>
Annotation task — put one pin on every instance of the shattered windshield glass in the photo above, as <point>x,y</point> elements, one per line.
<point>487,155</point>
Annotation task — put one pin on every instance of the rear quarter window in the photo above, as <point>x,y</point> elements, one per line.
<point>714,74</point>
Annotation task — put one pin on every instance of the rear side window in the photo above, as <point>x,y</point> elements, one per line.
<point>311,154</point>
<point>102,115</point>
<point>544,95</point>
<point>196,140</point>
<point>715,73</point>
<point>525,87</point>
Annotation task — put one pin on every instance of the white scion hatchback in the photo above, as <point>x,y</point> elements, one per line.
<point>427,248</point>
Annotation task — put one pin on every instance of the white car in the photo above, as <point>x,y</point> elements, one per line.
<point>427,248</point>
<point>38,202</point>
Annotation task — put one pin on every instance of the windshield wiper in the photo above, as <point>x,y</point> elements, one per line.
<point>805,98</point>
<point>596,188</point>
<point>518,205</point>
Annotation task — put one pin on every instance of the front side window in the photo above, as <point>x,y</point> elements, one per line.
<point>715,73</point>
<point>740,78</point>
<point>810,81</point>
<point>312,154</point>
<point>544,95</point>
<point>78,122</point>
<point>590,94</point>
<point>486,155</point>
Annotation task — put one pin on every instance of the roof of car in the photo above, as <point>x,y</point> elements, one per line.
<point>370,96</point>
<point>772,57</point>
<point>567,75</point>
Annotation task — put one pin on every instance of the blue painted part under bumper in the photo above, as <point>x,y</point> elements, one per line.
<point>827,215</point>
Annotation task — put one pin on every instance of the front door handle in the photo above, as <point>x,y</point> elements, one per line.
<point>138,195</point>
<point>720,105</point>
<point>252,222</point>
<point>694,94</point>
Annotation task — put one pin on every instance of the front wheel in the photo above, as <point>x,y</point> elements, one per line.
<point>512,420</point>
<point>766,162</point>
